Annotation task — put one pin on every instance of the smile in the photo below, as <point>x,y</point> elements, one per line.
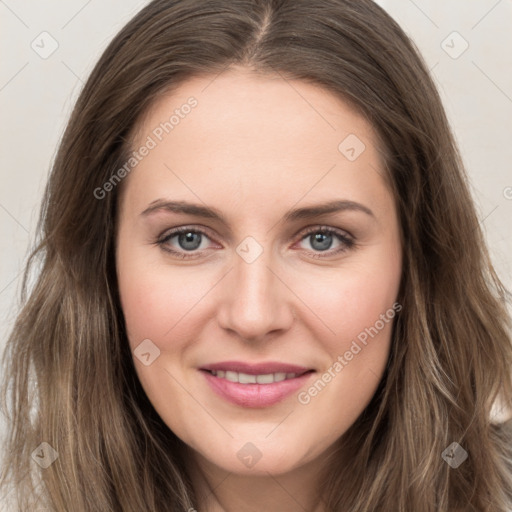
<point>245,378</point>
<point>255,386</point>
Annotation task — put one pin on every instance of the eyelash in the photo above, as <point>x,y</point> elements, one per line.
<point>348,242</point>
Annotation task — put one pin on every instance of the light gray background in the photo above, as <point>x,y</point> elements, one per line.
<point>37,94</point>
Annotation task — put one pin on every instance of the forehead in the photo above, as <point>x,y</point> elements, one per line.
<point>240,102</point>
<point>255,136</point>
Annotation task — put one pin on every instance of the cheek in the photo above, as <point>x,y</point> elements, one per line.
<point>349,301</point>
<point>362,317</point>
<point>159,301</point>
<point>149,305</point>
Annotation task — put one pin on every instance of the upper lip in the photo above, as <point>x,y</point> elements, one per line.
<point>256,368</point>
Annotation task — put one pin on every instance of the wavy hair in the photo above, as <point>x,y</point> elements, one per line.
<point>69,378</point>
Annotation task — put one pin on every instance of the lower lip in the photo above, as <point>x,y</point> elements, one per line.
<point>255,395</point>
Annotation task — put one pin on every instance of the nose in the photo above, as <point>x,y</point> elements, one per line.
<point>256,301</point>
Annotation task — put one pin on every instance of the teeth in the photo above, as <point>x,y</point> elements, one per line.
<point>265,379</point>
<point>245,378</point>
<point>232,376</point>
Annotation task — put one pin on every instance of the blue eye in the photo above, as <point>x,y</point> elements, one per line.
<point>189,242</point>
<point>321,240</point>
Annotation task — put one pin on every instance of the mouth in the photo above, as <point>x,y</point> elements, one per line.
<point>257,385</point>
<point>247,378</point>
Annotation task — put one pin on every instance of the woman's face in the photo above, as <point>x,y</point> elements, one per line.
<point>261,285</point>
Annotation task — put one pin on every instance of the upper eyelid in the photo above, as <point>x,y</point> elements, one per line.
<point>170,233</point>
<point>323,227</point>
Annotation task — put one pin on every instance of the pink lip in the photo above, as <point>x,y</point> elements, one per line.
<point>255,395</point>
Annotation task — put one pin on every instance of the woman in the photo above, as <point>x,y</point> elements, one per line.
<point>254,293</point>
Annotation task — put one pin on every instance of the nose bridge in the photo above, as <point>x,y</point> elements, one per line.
<point>256,301</point>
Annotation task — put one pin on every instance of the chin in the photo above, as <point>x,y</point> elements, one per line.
<point>255,458</point>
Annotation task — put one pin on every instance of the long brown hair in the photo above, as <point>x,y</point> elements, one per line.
<point>69,379</point>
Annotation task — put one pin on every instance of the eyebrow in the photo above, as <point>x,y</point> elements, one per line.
<point>292,215</point>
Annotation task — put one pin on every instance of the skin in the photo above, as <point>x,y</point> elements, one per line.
<point>253,148</point>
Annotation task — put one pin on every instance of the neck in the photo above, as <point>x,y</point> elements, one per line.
<point>221,491</point>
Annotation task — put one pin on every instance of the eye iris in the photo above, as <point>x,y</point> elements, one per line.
<point>324,239</point>
<point>186,240</point>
